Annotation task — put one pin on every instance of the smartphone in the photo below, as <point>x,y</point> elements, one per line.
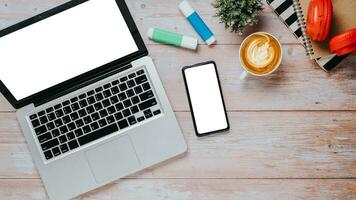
<point>205,98</point>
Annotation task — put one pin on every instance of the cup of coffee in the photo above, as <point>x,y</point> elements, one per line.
<point>260,54</point>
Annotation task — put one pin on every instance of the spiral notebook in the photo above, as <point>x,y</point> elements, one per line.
<point>290,13</point>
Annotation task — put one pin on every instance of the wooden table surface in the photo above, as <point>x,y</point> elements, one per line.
<point>293,134</point>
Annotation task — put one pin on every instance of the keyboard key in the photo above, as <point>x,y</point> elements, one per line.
<point>131,76</point>
<point>98,106</point>
<point>51,116</point>
<point>66,103</point>
<point>122,96</point>
<point>91,100</point>
<point>44,137</point>
<point>138,89</point>
<point>122,124</point>
<point>82,96</point>
<point>58,122</point>
<point>106,103</point>
<point>56,133</point>
<point>50,144</point>
<point>140,119</point>
<point>103,113</point>
<point>73,144</point>
<point>86,129</point>
<point>71,126</point>
<point>63,129</point>
<point>146,95</point>
<point>123,87</point>
<point>107,93</point>
<point>59,113</point>
<point>135,100</point>
<point>91,92</point>
<point>127,103</point>
<point>82,113</point>
<point>83,103</point>
<point>50,126</point>
<point>95,116</point>
<point>41,113</point>
<point>102,122</point>
<point>35,123</point>
<point>99,97</point>
<point>75,99</point>
<point>115,90</point>
<point>157,112</point>
<point>90,109</point>
<point>98,134</point>
<point>48,110</point>
<point>34,116</point>
<point>64,148</point>
<point>126,112</point>
<point>147,104</point>
<point>56,151</point>
<point>131,83</point>
<point>119,106</point>
<point>118,116</point>
<point>79,123</point>
<point>132,120</point>
<point>134,109</point>
<point>114,100</point>
<point>140,72</point>
<point>148,113</point>
<point>87,120</point>
<point>110,119</point>
<point>111,110</point>
<point>115,82</point>
<point>146,86</point>
<point>99,89</point>
<point>106,86</point>
<point>74,116</point>
<point>94,126</point>
<point>67,110</point>
<point>141,79</point>
<point>63,139</point>
<point>123,79</point>
<point>43,119</point>
<point>130,93</point>
<point>78,132</point>
<point>48,154</point>
<point>40,130</point>
<point>70,135</point>
<point>58,106</point>
<point>75,106</point>
<point>66,119</point>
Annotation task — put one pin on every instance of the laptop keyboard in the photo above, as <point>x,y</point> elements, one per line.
<point>114,106</point>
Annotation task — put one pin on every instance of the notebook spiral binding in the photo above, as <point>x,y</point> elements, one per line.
<point>303,26</point>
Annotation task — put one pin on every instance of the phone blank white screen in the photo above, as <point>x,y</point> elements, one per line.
<point>64,46</point>
<point>206,99</point>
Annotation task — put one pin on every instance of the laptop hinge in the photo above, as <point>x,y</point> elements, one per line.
<point>93,79</point>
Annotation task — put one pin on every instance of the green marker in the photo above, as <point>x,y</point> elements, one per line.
<point>171,38</point>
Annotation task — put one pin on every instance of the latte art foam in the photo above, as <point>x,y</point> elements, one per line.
<point>260,53</point>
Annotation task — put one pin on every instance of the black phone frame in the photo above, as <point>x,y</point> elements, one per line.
<point>190,103</point>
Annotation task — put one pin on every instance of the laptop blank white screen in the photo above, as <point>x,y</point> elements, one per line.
<point>64,46</point>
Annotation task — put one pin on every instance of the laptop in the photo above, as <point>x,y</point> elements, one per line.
<point>89,100</point>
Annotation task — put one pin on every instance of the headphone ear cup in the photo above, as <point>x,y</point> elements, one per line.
<point>344,43</point>
<point>326,18</point>
<point>319,19</point>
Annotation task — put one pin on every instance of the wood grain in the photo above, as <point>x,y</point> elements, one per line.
<point>259,145</point>
<point>197,189</point>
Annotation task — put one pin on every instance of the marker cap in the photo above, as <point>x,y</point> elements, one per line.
<point>186,9</point>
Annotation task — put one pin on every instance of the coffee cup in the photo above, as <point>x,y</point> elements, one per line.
<point>260,55</point>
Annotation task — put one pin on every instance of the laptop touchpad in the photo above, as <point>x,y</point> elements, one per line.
<point>113,159</point>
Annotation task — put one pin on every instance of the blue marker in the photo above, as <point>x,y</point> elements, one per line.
<point>197,22</point>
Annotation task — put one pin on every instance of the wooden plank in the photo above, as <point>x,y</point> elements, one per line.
<point>297,85</point>
<point>259,145</point>
<point>207,189</point>
<point>146,16</point>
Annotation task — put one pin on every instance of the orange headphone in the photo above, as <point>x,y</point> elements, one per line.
<point>318,28</point>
